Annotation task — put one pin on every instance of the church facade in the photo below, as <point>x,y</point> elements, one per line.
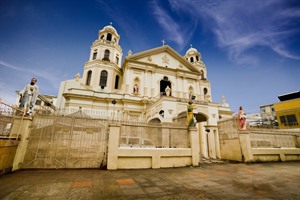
<point>150,86</point>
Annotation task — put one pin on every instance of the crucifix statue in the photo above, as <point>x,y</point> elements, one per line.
<point>163,41</point>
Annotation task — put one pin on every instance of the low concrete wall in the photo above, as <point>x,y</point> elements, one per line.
<point>8,150</point>
<point>137,158</point>
<point>231,149</point>
<point>144,158</point>
<point>258,145</point>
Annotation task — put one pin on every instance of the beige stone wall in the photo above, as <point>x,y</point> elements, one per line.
<point>8,150</point>
<point>257,145</point>
<point>133,157</point>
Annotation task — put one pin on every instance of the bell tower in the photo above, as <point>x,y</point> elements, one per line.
<point>194,57</point>
<point>106,47</point>
<point>103,69</point>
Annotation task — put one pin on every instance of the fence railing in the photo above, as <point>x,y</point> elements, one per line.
<point>7,113</point>
<point>154,136</point>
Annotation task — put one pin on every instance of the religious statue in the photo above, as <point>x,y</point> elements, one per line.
<point>129,53</point>
<point>135,89</point>
<point>168,91</point>
<point>242,119</point>
<point>190,114</point>
<point>77,77</point>
<point>28,96</point>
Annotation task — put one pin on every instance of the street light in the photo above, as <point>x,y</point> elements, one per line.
<point>114,102</point>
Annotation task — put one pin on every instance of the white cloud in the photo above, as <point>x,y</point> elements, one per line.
<point>168,24</point>
<point>39,73</point>
<point>173,29</point>
<point>239,26</point>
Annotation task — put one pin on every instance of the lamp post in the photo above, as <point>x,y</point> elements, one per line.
<point>114,102</point>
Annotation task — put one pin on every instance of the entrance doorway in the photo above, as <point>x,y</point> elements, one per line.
<point>164,83</point>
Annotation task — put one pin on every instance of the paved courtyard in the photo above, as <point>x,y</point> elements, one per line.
<point>278,180</point>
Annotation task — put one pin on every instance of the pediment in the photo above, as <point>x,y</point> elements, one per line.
<point>164,57</point>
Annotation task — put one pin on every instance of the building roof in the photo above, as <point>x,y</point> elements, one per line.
<point>289,96</point>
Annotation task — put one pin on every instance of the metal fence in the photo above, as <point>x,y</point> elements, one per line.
<point>154,136</point>
<point>66,142</point>
<point>7,113</point>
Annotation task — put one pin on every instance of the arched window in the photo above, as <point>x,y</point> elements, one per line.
<point>102,37</point>
<point>205,91</point>
<point>136,85</point>
<point>191,59</point>
<point>95,55</point>
<point>202,75</point>
<point>197,58</point>
<point>106,55</point>
<point>117,82</point>
<point>108,37</point>
<point>164,83</point>
<point>103,79</point>
<point>117,59</point>
<point>191,92</point>
<point>88,78</point>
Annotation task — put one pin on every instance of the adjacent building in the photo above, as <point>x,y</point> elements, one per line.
<point>288,110</point>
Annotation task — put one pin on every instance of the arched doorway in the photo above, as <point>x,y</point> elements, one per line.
<point>154,121</point>
<point>164,83</point>
<point>200,117</point>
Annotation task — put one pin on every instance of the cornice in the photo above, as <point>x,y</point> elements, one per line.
<point>166,48</point>
<point>104,44</point>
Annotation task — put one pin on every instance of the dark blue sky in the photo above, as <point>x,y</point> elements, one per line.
<point>251,48</point>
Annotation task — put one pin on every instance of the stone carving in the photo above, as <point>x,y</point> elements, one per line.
<point>168,91</point>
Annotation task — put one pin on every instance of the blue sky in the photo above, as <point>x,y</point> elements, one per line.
<point>251,48</point>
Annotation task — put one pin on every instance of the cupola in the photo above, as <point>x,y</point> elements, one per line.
<point>192,55</point>
<point>109,35</point>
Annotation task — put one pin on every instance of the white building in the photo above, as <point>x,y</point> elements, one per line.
<point>153,85</point>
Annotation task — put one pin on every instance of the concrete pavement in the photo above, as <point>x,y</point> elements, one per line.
<point>277,180</point>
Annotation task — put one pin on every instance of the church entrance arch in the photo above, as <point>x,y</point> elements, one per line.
<point>200,117</point>
<point>154,121</point>
<point>164,83</point>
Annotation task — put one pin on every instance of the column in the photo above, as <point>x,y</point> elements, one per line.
<point>21,129</point>
<point>113,146</point>
<point>194,141</point>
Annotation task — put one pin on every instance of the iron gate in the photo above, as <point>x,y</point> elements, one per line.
<point>67,142</point>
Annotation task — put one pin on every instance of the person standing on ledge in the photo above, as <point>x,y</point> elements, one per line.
<point>242,119</point>
<point>28,96</point>
<point>190,114</point>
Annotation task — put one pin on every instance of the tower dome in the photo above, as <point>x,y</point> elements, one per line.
<point>192,55</point>
<point>110,28</point>
<point>109,34</point>
<point>191,50</point>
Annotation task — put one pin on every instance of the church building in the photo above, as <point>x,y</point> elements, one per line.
<point>152,86</point>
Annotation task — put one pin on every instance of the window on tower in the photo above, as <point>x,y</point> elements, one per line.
<point>88,78</point>
<point>95,55</point>
<point>117,59</point>
<point>108,37</point>
<point>117,82</point>
<point>191,59</point>
<point>103,79</point>
<point>205,91</point>
<point>106,55</point>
